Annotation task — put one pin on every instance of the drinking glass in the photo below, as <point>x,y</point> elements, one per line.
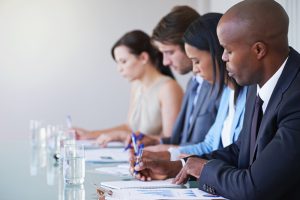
<point>74,164</point>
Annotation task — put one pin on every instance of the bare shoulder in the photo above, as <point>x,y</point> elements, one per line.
<point>171,87</point>
<point>170,90</point>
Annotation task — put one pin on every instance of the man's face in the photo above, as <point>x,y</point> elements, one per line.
<point>241,62</point>
<point>174,57</point>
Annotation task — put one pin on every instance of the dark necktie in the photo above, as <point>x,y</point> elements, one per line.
<point>190,107</point>
<point>256,119</point>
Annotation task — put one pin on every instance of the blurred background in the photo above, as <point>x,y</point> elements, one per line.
<point>55,57</point>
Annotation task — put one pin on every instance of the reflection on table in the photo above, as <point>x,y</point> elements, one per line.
<point>33,172</point>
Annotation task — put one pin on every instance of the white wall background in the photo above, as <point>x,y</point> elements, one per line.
<point>55,57</point>
<point>292,7</point>
<point>55,60</point>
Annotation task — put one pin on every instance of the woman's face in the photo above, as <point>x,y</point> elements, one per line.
<point>202,62</point>
<point>129,65</point>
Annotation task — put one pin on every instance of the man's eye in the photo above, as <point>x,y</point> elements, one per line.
<point>228,52</point>
<point>196,62</point>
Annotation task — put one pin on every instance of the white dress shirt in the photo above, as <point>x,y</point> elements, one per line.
<point>266,90</point>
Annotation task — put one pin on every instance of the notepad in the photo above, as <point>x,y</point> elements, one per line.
<point>141,184</point>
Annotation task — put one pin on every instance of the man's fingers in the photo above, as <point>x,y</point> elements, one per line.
<point>177,177</point>
<point>141,166</point>
<point>182,177</point>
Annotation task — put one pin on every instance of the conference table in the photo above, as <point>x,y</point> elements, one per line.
<point>28,173</point>
<point>31,173</point>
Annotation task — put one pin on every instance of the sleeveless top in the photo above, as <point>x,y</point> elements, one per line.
<point>146,115</point>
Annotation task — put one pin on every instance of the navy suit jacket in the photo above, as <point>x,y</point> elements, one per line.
<point>275,173</point>
<point>204,116</point>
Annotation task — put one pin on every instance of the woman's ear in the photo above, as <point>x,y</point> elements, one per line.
<point>144,56</point>
<point>260,50</point>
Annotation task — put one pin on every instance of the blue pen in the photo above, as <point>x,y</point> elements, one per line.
<point>129,145</point>
<point>139,136</point>
<point>134,144</point>
<point>139,157</point>
<point>136,138</point>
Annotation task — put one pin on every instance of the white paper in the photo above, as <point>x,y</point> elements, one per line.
<point>121,170</point>
<point>163,194</point>
<point>91,144</point>
<point>140,184</point>
<point>106,155</point>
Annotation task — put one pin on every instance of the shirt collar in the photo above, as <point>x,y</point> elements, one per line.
<point>198,79</point>
<point>266,90</point>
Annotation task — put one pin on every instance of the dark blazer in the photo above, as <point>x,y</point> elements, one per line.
<point>275,173</point>
<point>205,113</point>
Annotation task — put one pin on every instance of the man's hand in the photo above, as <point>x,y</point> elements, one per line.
<point>147,170</point>
<point>160,155</point>
<point>193,167</point>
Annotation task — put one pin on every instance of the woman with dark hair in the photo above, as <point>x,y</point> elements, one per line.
<point>203,48</point>
<point>155,95</point>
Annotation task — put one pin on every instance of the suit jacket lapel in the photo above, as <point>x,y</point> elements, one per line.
<point>288,75</point>
<point>200,104</point>
<point>179,124</point>
<point>205,97</point>
<point>247,125</point>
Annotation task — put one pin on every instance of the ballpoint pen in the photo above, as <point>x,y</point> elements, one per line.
<point>139,156</point>
<point>69,121</point>
<point>135,148</point>
<point>137,137</point>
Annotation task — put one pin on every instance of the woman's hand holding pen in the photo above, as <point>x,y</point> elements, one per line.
<point>142,139</point>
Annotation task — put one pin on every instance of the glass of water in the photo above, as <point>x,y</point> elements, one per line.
<point>74,164</point>
<point>74,192</point>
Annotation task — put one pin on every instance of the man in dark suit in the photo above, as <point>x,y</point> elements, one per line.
<point>190,127</point>
<point>254,37</point>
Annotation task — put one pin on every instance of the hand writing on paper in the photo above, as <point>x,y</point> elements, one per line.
<point>148,170</point>
<point>148,155</point>
<point>193,167</point>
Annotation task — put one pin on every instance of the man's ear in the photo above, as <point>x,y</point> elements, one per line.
<point>260,50</point>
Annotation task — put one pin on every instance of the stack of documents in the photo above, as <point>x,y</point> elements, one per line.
<point>164,194</point>
<point>140,184</point>
<point>154,190</point>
